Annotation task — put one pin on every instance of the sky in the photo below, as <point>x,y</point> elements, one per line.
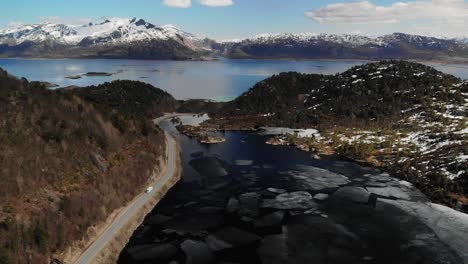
<point>231,19</point>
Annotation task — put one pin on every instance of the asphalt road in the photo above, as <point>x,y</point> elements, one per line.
<point>132,209</point>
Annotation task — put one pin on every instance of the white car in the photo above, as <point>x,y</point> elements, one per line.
<point>150,189</point>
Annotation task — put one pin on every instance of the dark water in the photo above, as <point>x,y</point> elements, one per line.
<point>197,223</point>
<point>220,80</point>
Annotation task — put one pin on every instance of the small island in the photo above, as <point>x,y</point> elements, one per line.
<point>73,77</point>
<point>204,135</point>
<point>206,139</point>
<point>96,74</point>
<point>191,126</point>
<point>89,74</point>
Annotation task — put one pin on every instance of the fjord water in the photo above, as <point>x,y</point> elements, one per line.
<point>221,79</point>
<point>198,217</point>
<point>218,80</point>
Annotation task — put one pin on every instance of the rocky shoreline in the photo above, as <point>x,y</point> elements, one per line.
<point>190,126</point>
<point>368,148</point>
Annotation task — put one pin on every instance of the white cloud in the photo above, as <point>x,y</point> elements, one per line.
<point>15,24</point>
<point>449,17</point>
<point>188,3</point>
<point>367,12</point>
<point>61,20</point>
<point>178,3</point>
<point>50,19</point>
<point>216,3</point>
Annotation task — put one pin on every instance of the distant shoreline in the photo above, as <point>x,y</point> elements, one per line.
<point>363,60</point>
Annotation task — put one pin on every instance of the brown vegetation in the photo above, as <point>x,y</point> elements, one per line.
<point>65,165</point>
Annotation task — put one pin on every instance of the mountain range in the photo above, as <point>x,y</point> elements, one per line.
<point>138,39</point>
<point>347,46</point>
<point>110,38</point>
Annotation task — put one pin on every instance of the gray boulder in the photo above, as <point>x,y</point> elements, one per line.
<point>321,196</point>
<point>197,252</point>
<point>249,203</point>
<point>233,205</point>
<point>352,194</point>
<point>275,190</point>
<point>237,237</point>
<point>216,244</point>
<point>291,201</point>
<point>156,252</point>
<point>270,223</point>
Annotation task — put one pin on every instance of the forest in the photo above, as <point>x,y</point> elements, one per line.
<point>69,158</point>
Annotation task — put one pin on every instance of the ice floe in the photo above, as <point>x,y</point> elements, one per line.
<point>450,225</point>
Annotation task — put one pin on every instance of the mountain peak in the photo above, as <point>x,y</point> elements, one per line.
<point>112,36</point>
<point>105,30</point>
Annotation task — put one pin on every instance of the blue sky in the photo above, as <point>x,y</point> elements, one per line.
<point>243,18</point>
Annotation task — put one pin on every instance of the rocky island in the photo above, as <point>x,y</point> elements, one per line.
<point>405,117</point>
<point>189,125</point>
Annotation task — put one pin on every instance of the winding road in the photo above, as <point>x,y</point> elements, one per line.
<point>134,207</point>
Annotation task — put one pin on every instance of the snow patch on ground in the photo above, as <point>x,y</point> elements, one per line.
<point>193,120</point>
<point>273,131</point>
<point>390,192</point>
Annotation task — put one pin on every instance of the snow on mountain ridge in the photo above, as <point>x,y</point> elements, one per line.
<point>116,30</point>
<point>352,40</point>
<point>355,40</point>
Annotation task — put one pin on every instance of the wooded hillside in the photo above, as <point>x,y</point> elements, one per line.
<point>68,159</point>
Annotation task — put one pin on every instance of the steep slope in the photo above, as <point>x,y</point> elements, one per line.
<point>110,38</point>
<point>407,117</point>
<point>67,162</point>
<point>332,46</point>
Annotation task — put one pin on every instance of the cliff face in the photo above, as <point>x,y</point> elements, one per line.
<point>67,162</point>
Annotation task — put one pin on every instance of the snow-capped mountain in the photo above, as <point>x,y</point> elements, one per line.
<point>349,39</point>
<point>138,39</point>
<point>346,46</point>
<point>53,39</point>
<point>110,29</point>
<point>309,37</point>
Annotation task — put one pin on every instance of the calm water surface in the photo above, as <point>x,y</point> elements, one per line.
<point>219,80</point>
